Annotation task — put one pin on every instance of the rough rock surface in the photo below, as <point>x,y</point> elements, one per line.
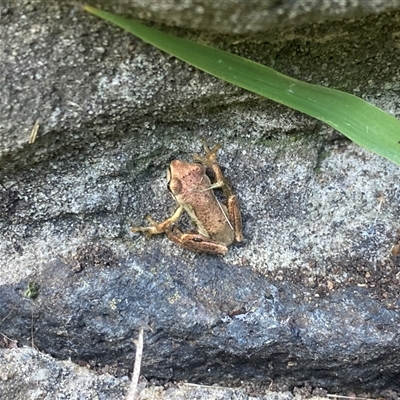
<point>311,295</point>
<point>30,375</point>
<point>247,17</point>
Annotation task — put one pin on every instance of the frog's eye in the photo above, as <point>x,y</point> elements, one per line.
<point>175,186</point>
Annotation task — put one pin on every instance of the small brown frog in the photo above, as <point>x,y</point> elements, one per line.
<point>218,225</point>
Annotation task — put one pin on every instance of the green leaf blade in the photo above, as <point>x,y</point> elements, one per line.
<point>365,124</point>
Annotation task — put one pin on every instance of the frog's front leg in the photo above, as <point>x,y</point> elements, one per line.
<point>232,204</point>
<point>195,241</point>
<point>157,228</point>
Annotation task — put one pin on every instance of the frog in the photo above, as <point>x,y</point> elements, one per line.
<point>192,185</point>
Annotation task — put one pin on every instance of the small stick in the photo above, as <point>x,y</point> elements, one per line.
<point>33,342</point>
<point>10,312</point>
<point>206,386</point>
<point>348,397</point>
<point>136,369</point>
<point>34,132</point>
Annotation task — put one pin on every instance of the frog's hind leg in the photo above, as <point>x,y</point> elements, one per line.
<point>210,157</point>
<point>210,162</point>
<point>195,241</point>
<point>235,217</point>
<point>220,182</point>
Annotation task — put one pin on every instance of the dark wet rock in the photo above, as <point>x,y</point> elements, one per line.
<point>209,322</point>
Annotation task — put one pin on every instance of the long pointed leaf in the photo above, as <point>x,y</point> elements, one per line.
<point>360,121</point>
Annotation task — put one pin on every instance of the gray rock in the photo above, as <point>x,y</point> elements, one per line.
<point>310,296</point>
<point>250,16</point>
<point>20,378</point>
<point>28,374</point>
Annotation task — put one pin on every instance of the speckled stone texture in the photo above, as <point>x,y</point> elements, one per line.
<point>311,297</point>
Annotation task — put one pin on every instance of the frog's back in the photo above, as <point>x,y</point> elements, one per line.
<point>190,186</point>
<point>211,219</point>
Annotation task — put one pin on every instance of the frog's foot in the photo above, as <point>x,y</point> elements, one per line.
<point>195,241</point>
<point>210,158</point>
<point>235,217</point>
<point>217,176</point>
<point>156,228</point>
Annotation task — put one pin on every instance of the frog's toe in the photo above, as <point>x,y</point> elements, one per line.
<point>148,231</point>
<point>151,220</point>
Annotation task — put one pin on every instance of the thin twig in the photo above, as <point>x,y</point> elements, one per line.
<point>136,369</point>
<point>348,397</point>
<point>33,341</point>
<point>34,132</point>
<point>6,337</point>
<point>206,386</point>
<point>12,309</point>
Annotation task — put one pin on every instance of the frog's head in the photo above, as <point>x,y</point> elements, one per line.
<point>183,177</point>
